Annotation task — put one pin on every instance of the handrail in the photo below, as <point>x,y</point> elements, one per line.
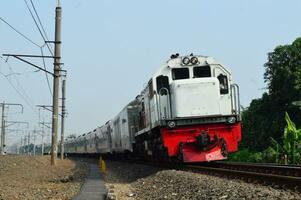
<point>235,100</point>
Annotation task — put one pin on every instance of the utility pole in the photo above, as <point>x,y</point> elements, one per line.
<point>3,124</point>
<point>34,143</point>
<point>2,129</point>
<point>24,143</point>
<point>28,141</point>
<point>21,146</point>
<point>63,117</point>
<point>35,132</point>
<point>57,68</point>
<point>42,151</point>
<point>44,133</point>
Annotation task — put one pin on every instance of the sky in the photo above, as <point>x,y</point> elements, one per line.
<point>110,49</point>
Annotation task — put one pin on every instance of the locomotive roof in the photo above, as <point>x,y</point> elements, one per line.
<point>177,62</point>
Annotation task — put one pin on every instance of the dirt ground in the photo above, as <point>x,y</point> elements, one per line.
<point>26,177</point>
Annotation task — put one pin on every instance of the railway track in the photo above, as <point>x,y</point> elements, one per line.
<point>280,176</point>
<point>277,176</point>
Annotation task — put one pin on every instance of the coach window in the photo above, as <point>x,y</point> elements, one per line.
<point>201,72</point>
<point>180,73</point>
<point>223,84</point>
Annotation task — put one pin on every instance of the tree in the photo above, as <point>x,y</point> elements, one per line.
<point>283,71</point>
<point>264,117</point>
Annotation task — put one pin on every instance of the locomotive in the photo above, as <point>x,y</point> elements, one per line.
<point>189,112</point>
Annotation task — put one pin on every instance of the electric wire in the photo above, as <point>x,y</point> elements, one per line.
<point>24,36</point>
<point>28,39</point>
<point>20,94</point>
<point>44,37</point>
<point>40,22</point>
<point>39,29</point>
<point>27,101</point>
<point>47,78</point>
<point>18,82</point>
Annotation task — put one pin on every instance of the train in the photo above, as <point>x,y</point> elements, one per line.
<point>189,111</point>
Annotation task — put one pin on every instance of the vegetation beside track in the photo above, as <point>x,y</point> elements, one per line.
<point>285,153</point>
<point>264,120</point>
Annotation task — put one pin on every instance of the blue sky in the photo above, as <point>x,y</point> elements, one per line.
<point>111,48</point>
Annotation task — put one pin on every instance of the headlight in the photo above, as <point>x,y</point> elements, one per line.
<point>194,60</point>
<point>231,120</point>
<point>171,124</point>
<point>186,61</point>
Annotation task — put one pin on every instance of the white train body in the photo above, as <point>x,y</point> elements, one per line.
<point>195,91</point>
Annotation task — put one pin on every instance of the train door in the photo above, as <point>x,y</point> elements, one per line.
<point>224,90</point>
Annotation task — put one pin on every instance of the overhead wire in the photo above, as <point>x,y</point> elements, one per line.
<point>39,29</point>
<point>47,78</point>
<point>20,94</point>
<point>34,43</point>
<point>18,82</point>
<point>23,35</point>
<point>24,96</point>
<point>44,36</point>
<point>35,10</point>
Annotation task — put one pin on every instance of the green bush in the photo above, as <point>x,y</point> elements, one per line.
<point>245,155</point>
<point>257,157</point>
<point>269,155</point>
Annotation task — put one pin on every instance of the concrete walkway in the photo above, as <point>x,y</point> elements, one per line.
<point>94,186</point>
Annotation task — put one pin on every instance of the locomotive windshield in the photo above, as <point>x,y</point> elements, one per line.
<point>180,73</point>
<point>201,72</point>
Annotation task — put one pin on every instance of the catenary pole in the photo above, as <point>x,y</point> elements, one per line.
<point>43,133</point>
<point>3,122</point>
<point>57,66</point>
<point>24,144</point>
<point>2,129</point>
<point>34,143</point>
<point>28,141</point>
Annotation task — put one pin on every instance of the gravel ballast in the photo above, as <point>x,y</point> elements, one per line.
<point>133,181</point>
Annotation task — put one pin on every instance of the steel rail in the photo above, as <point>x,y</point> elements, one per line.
<point>264,177</point>
<point>286,170</point>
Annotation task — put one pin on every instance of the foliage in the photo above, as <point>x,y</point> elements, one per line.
<point>245,155</point>
<point>264,117</point>
<point>292,140</point>
<point>270,155</point>
<point>287,153</point>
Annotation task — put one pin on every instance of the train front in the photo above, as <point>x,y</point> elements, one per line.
<point>198,108</point>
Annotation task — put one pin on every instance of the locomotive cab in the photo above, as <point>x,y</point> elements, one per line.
<point>199,88</point>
